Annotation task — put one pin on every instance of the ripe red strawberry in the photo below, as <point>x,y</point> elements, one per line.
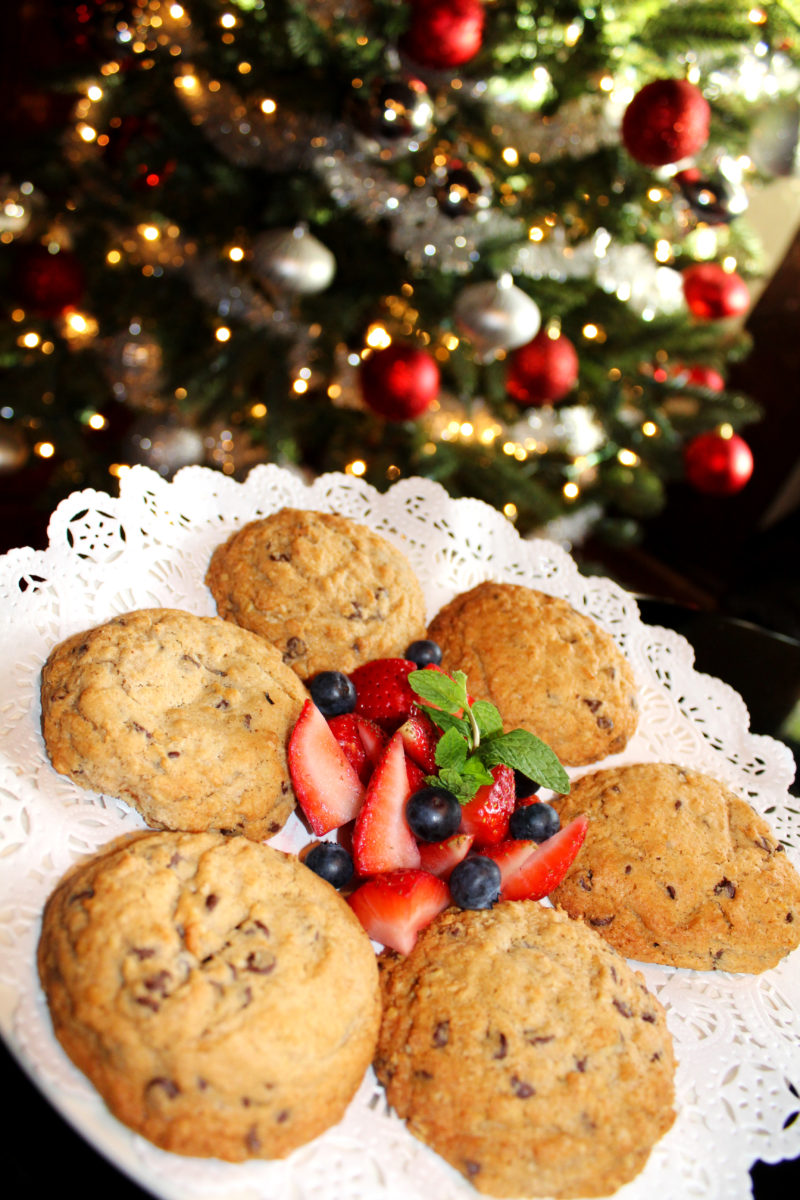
<point>395,906</point>
<point>440,857</point>
<point>416,776</point>
<point>420,736</point>
<point>327,786</point>
<point>383,694</point>
<point>382,840</point>
<point>530,870</point>
<point>487,814</point>
<point>362,741</point>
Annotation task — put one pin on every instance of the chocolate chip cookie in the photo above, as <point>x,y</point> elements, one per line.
<point>526,1052</point>
<point>678,869</point>
<point>328,592</point>
<point>548,668</point>
<point>187,718</point>
<point>222,998</point>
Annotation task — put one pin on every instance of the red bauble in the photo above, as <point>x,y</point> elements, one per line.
<point>717,465</point>
<point>543,370</point>
<point>666,121</point>
<point>444,33</point>
<point>400,381</point>
<point>712,293</point>
<point>700,376</point>
<point>48,283</point>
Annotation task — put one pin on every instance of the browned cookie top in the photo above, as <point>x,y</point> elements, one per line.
<point>547,668</point>
<point>187,718</point>
<point>677,869</point>
<point>328,592</point>
<point>222,998</point>
<point>525,1051</point>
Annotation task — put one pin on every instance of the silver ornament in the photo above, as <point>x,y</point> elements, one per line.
<point>133,362</point>
<point>293,261</point>
<point>16,206</point>
<point>395,119</point>
<point>165,444</point>
<point>496,315</point>
<point>775,138</point>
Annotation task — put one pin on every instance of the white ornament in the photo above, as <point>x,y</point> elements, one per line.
<point>293,261</point>
<point>496,315</point>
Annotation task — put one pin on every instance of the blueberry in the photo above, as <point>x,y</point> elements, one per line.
<point>424,652</point>
<point>331,862</point>
<point>433,814</point>
<point>333,692</point>
<point>534,822</point>
<point>524,785</point>
<point>475,883</point>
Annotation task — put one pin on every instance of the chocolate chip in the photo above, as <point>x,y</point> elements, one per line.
<point>764,844</point>
<point>678,804</point>
<point>222,704</point>
<point>502,1046</point>
<point>726,886</point>
<point>212,900</point>
<point>604,723</point>
<point>143,952</point>
<point>441,1034</point>
<point>356,614</point>
<point>282,1116</point>
<point>252,1140</point>
<point>167,1085</point>
<point>247,720</point>
<point>173,754</point>
<point>535,1039</point>
<point>670,891</point>
<point>158,982</point>
<point>600,922</point>
<point>471,1168</point>
<point>295,648</point>
<point>585,881</point>
<point>87,894</point>
<point>141,729</point>
<point>280,557</point>
<point>649,1017</point>
<point>593,705</point>
<point>260,963</point>
<point>580,1064</point>
<point>520,1088</point>
<point>628,869</point>
<point>789,917</point>
<point>621,1007</point>
<point>148,1002</point>
<point>268,698</point>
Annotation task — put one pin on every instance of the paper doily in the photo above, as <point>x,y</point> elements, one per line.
<point>737,1038</point>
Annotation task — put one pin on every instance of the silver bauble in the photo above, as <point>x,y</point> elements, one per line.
<point>16,207</point>
<point>165,444</point>
<point>775,138</point>
<point>293,261</point>
<point>133,361</point>
<point>13,451</point>
<point>496,315</point>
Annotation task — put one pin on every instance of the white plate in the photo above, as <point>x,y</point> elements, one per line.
<point>737,1037</point>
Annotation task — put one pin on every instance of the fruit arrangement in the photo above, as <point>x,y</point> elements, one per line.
<point>420,797</point>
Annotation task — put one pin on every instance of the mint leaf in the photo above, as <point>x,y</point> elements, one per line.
<point>447,720</point>
<point>439,690</point>
<point>523,751</point>
<point>462,787</point>
<point>451,751</point>
<point>490,723</point>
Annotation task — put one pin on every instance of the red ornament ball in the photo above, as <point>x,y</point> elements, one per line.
<point>444,33</point>
<point>399,382</point>
<point>717,465</point>
<point>666,121</point>
<point>712,293</point>
<point>700,375</point>
<point>543,370</point>
<point>48,283</point>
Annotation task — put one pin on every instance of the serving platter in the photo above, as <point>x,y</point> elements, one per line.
<point>737,1038</point>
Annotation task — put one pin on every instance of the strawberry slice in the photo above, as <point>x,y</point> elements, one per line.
<point>440,857</point>
<point>420,736</point>
<point>530,870</point>
<point>363,741</point>
<point>382,840</point>
<point>487,814</point>
<point>395,906</point>
<point>327,786</point>
<point>416,776</point>
<point>383,693</point>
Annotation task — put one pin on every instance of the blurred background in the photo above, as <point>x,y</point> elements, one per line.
<point>547,254</point>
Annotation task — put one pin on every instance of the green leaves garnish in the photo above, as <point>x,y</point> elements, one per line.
<point>473,740</point>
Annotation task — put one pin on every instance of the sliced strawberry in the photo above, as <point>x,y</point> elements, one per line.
<point>345,729</point>
<point>420,736</point>
<point>416,776</point>
<point>487,814</point>
<point>382,840</point>
<point>373,738</point>
<point>440,857</point>
<point>383,693</point>
<point>395,906</point>
<point>529,870</point>
<point>327,786</point>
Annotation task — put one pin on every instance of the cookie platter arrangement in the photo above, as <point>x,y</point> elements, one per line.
<point>633,1024</point>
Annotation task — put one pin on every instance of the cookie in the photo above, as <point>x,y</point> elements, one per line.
<point>678,869</point>
<point>187,718</point>
<point>548,668</point>
<point>222,998</point>
<point>526,1052</point>
<point>328,592</point>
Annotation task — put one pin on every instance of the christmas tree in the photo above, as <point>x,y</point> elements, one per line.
<point>500,243</point>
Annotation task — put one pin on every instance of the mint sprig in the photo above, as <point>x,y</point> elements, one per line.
<point>473,740</point>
